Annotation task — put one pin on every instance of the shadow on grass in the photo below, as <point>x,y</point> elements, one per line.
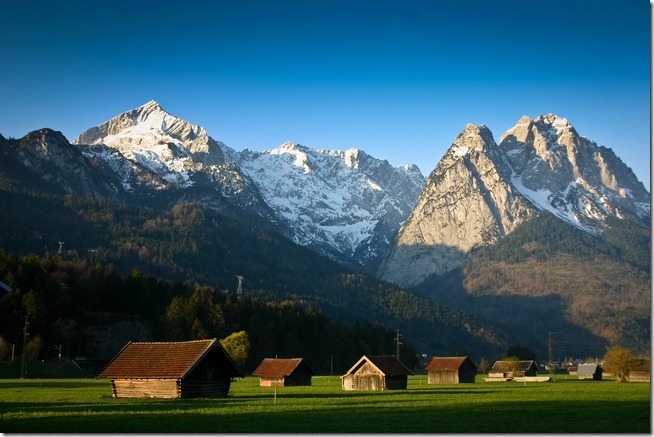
<point>502,417</point>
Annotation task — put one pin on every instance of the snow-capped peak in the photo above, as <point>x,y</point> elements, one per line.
<point>300,157</point>
<point>157,140</point>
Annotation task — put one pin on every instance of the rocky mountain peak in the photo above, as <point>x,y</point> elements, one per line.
<point>481,191</point>
<point>150,136</point>
<point>473,137</point>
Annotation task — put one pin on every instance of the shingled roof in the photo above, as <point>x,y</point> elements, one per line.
<point>278,367</point>
<point>163,360</point>
<point>447,363</point>
<point>386,364</point>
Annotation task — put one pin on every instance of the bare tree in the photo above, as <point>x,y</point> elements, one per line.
<point>619,359</point>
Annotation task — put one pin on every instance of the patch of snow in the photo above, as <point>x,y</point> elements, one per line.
<point>460,151</point>
<point>543,198</point>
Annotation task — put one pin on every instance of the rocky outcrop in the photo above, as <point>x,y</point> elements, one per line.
<point>481,191</point>
<point>149,133</point>
<point>467,201</point>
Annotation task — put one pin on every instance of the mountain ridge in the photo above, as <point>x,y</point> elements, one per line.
<point>480,191</point>
<point>414,232</point>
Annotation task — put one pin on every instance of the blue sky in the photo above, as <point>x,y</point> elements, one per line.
<point>397,79</point>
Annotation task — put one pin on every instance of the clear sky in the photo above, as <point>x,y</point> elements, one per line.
<point>398,79</point>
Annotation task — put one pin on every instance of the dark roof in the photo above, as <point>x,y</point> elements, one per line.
<point>508,365</point>
<point>278,367</point>
<point>153,360</point>
<point>386,364</point>
<point>448,363</point>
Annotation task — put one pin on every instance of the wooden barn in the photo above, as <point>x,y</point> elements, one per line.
<point>281,372</point>
<point>511,369</point>
<point>451,370</point>
<point>376,373</point>
<point>184,369</point>
<point>640,370</point>
<point>589,371</point>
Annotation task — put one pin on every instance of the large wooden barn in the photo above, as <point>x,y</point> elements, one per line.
<point>376,373</point>
<point>509,369</point>
<point>451,370</point>
<point>281,372</point>
<point>185,369</point>
<point>589,371</point>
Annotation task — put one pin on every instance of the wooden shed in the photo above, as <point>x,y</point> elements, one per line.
<point>451,370</point>
<point>589,371</point>
<point>511,368</point>
<point>185,369</point>
<point>281,372</point>
<point>640,370</point>
<point>376,373</point>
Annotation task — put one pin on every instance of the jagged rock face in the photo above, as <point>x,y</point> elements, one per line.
<point>155,154</point>
<point>48,156</point>
<point>150,136</point>
<point>466,202</point>
<point>346,205</point>
<point>570,175</point>
<point>481,191</point>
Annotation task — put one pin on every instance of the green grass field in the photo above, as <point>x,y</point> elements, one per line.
<point>561,406</point>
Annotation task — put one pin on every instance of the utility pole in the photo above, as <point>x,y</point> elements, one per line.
<point>239,289</point>
<point>550,349</point>
<point>25,334</point>
<point>58,347</point>
<point>398,343</point>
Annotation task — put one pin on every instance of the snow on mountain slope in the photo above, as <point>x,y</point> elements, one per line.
<point>569,175</point>
<point>149,136</point>
<point>346,203</point>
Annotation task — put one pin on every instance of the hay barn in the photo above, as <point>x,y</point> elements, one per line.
<point>451,370</point>
<point>589,371</point>
<point>185,369</point>
<point>376,373</point>
<point>282,372</point>
<point>509,369</point>
<point>640,370</point>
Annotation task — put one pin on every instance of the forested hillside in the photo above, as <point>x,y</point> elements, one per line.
<point>190,247</point>
<point>93,311</point>
<point>588,291</point>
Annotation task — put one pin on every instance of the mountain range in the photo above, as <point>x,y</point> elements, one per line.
<point>431,235</point>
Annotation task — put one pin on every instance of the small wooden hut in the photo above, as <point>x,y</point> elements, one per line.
<point>376,373</point>
<point>185,369</point>
<point>451,370</point>
<point>281,372</point>
<point>507,369</point>
<point>589,371</point>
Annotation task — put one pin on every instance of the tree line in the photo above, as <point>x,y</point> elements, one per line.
<point>63,300</point>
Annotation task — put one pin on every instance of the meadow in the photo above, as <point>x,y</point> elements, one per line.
<point>561,406</point>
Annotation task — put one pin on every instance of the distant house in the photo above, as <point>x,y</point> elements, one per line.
<point>451,370</point>
<point>589,371</point>
<point>376,373</point>
<point>280,372</point>
<point>640,370</point>
<point>510,369</point>
<point>185,369</point>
